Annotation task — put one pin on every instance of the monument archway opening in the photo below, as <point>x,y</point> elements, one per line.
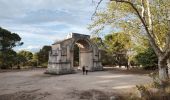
<point>76,57</point>
<point>81,53</point>
<point>63,56</point>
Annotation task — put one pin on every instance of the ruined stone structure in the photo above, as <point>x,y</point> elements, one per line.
<point>62,55</point>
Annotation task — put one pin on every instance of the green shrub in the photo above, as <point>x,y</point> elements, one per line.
<point>147,59</point>
<point>44,65</point>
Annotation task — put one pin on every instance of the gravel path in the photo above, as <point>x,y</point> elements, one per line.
<point>34,85</point>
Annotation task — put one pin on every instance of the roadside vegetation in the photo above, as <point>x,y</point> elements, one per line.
<point>10,59</point>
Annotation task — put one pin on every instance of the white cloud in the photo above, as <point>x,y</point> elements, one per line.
<point>41,22</point>
<point>33,48</point>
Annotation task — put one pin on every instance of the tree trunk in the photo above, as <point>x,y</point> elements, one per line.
<point>168,63</point>
<point>163,75</point>
<point>128,64</point>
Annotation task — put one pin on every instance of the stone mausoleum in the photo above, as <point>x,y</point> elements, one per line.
<point>61,57</point>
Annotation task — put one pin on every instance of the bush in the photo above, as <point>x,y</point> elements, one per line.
<point>147,59</point>
<point>44,65</point>
<point>31,63</point>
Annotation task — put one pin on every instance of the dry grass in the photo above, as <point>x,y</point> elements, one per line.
<point>93,95</point>
<point>19,70</point>
<point>131,71</point>
<point>24,95</point>
<point>150,91</point>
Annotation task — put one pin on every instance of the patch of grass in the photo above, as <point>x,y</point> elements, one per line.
<point>132,71</point>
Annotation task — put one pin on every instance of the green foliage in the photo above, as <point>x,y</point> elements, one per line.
<point>159,11</point>
<point>7,55</point>
<point>114,49</point>
<point>117,45</point>
<point>8,59</point>
<point>20,60</point>
<point>147,59</point>
<point>130,38</point>
<point>117,42</point>
<point>121,16</point>
<point>116,15</point>
<point>35,57</point>
<point>27,54</point>
<point>24,57</point>
<point>44,65</point>
<point>42,55</point>
<point>9,40</point>
<point>34,61</point>
<point>107,59</point>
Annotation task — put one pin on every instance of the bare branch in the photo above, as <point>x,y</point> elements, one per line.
<point>96,9</point>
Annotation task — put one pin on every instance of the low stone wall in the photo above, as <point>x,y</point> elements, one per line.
<point>98,68</point>
<point>59,69</point>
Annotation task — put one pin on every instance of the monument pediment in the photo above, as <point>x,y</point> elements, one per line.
<point>77,35</point>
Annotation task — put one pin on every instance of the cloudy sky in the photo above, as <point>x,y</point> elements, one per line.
<point>41,22</point>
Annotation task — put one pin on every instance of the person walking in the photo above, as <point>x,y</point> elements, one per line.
<point>83,69</point>
<point>86,69</point>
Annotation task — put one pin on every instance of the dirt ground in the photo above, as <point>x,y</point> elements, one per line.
<point>35,85</point>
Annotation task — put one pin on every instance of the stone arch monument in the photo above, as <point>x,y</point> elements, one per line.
<point>61,56</point>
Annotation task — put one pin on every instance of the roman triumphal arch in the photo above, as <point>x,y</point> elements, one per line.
<point>61,56</point>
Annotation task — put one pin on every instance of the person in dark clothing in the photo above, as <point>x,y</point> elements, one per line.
<point>83,69</point>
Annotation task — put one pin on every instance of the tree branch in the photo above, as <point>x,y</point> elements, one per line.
<point>143,10</point>
<point>96,9</point>
<point>167,49</point>
<point>150,35</point>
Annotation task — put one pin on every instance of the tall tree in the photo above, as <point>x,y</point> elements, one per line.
<point>152,17</point>
<point>43,55</point>
<point>118,44</point>
<point>7,59</point>
<point>8,41</point>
